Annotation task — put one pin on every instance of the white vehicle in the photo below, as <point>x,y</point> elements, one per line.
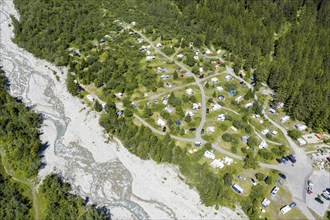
<point>285,209</point>
<point>274,191</point>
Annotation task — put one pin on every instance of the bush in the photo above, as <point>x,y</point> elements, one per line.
<point>294,134</point>
<point>233,149</point>
<point>260,176</point>
<point>97,106</point>
<point>267,155</point>
<point>269,180</point>
<point>227,137</point>
<point>252,142</point>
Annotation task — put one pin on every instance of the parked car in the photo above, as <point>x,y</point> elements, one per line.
<point>293,204</point>
<point>319,200</point>
<point>279,160</point>
<point>253,181</point>
<point>309,187</point>
<point>274,191</point>
<point>284,159</point>
<point>292,158</point>
<point>202,132</point>
<point>325,195</point>
<point>279,181</point>
<point>207,110</point>
<point>265,179</point>
<point>282,175</point>
<point>164,129</point>
<point>240,178</point>
<point>192,129</point>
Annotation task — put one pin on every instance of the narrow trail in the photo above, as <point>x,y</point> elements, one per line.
<point>262,138</point>
<point>29,183</point>
<point>197,80</point>
<point>297,175</point>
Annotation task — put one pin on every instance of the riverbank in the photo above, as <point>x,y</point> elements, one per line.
<point>105,172</point>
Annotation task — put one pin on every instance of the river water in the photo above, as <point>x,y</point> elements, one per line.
<point>36,87</point>
<point>78,149</point>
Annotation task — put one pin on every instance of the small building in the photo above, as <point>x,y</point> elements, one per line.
<point>103,106</point>
<point>160,122</point>
<point>319,136</point>
<point>221,97</point>
<point>217,164</point>
<point>271,111</point>
<point>216,107</point>
<point>239,99</point>
<point>119,95</point>
<point>159,45</point>
<point>274,132</point>
<point>221,117</point>
<point>218,52</point>
<point>134,105</point>
<point>249,105</point>
<point>165,76</point>
<point>301,141</point>
<point>160,69</point>
<point>208,51</point>
<point>165,102</point>
<point>180,56</point>
<point>139,41</point>
<point>219,89</point>
<point>228,160</point>
<point>144,48</point>
<point>201,69</point>
<point>196,106</point>
<point>196,57</point>
<point>228,77</point>
<point>280,105</point>
<point>209,155</point>
<point>231,92</point>
<point>210,129</point>
<point>150,58</point>
<point>285,119</point>
<point>190,91</point>
<point>190,113</point>
<point>237,188</point>
<point>265,131</point>
<point>265,202</point>
<point>245,139</point>
<point>168,85</point>
<point>300,127</point>
<point>168,109</point>
<point>178,123</point>
<point>285,209</point>
<point>90,98</point>
<point>263,144</point>
<point>234,128</point>
<point>214,80</point>
<point>312,138</point>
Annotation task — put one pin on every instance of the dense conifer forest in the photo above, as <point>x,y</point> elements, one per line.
<point>20,148</point>
<point>284,43</point>
<point>19,133</point>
